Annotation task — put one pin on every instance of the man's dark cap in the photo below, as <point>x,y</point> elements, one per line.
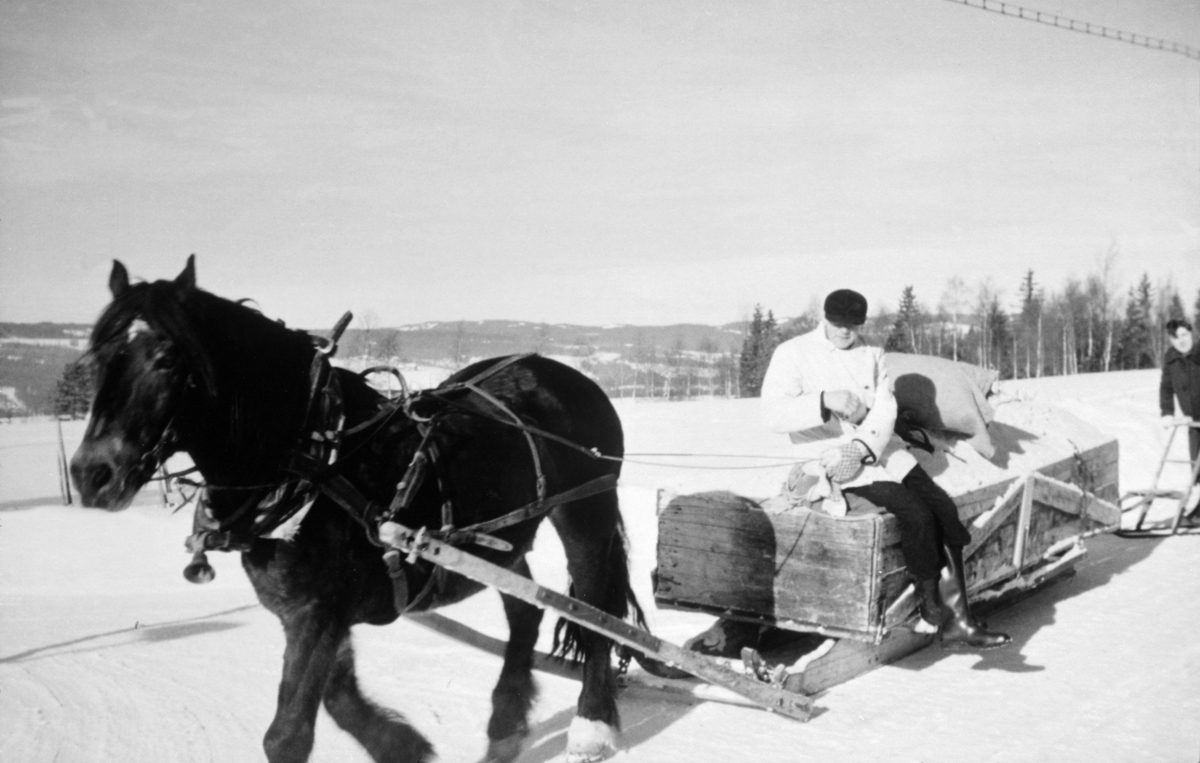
<point>846,307</point>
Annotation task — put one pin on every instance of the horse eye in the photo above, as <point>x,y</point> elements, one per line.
<point>164,362</point>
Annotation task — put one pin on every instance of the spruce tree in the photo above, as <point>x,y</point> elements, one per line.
<point>999,338</point>
<point>1030,329</point>
<point>903,334</point>
<point>1175,309</point>
<point>73,393</point>
<point>749,378</point>
<point>1135,348</point>
<point>762,338</point>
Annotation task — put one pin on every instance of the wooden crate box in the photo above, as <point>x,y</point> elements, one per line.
<point>804,570</point>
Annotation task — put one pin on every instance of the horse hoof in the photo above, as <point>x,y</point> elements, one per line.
<point>590,741</point>
<point>504,750</point>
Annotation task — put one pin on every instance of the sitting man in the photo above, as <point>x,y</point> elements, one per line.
<point>831,394</point>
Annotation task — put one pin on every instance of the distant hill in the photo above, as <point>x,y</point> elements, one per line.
<point>32,358</point>
<point>677,361</point>
<point>462,340</point>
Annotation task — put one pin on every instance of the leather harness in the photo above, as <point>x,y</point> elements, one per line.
<point>277,514</point>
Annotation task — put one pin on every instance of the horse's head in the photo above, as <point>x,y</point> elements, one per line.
<point>144,365</point>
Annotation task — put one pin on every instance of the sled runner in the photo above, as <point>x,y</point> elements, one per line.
<point>828,598</point>
<point>634,682</point>
<point>1144,499</point>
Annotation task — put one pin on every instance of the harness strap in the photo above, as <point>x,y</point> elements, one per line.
<point>542,433</point>
<point>490,371</point>
<point>541,506</point>
<point>537,460</point>
<point>360,508</point>
<point>364,511</point>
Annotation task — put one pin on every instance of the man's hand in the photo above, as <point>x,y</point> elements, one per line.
<point>844,404</point>
<point>1167,422</point>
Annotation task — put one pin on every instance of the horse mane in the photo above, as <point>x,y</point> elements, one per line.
<point>157,304</point>
<point>209,330</point>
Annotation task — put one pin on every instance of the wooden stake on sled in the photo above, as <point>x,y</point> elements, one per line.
<point>415,544</point>
<point>1147,497</point>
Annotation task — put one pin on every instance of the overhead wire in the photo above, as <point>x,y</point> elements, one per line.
<point>1083,27</point>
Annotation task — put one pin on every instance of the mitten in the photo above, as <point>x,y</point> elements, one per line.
<point>844,461</point>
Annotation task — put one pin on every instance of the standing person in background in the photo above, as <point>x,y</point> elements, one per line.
<point>1181,381</point>
<point>830,393</point>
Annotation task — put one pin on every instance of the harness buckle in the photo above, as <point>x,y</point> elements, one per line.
<point>417,544</point>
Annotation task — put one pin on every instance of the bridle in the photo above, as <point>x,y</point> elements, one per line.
<point>154,459</point>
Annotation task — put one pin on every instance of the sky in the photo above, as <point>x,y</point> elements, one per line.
<point>588,162</point>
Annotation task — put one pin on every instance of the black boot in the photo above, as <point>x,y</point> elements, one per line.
<point>929,601</point>
<point>962,630</point>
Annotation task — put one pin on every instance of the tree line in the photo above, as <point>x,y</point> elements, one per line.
<point>1087,325</point>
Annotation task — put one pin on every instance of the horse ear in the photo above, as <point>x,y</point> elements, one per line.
<point>187,279</point>
<point>118,279</point>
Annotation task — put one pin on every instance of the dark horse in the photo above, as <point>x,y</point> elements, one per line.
<point>179,369</point>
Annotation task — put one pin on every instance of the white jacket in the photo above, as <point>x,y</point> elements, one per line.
<point>804,367</point>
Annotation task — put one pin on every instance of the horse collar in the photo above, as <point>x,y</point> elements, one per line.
<point>279,512</point>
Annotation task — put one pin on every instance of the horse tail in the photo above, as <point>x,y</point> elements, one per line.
<point>620,600</point>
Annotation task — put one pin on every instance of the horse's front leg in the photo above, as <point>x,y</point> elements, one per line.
<point>312,643</point>
<point>384,734</point>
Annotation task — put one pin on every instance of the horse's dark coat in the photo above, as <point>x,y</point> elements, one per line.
<point>231,385</point>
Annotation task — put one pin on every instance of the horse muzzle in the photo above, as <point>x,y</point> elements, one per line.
<point>106,477</point>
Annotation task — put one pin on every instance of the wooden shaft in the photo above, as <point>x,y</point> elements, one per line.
<point>784,702</point>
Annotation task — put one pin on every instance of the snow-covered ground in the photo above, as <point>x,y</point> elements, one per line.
<point>107,654</point>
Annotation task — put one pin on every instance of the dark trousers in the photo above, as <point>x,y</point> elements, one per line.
<point>928,519</point>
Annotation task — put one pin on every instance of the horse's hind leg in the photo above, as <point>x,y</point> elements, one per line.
<point>514,693</point>
<point>385,734</point>
<point>597,563</point>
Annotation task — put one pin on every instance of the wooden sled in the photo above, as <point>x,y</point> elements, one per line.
<point>839,583</point>
<point>1144,499</point>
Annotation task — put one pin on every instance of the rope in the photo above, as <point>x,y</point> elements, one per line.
<point>627,460</point>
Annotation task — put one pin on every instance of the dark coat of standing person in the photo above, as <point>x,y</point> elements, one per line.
<point>830,392</point>
<point>1181,385</point>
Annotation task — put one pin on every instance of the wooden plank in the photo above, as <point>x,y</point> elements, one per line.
<point>1051,492</point>
<point>821,526</point>
<point>977,502</point>
<point>825,570</point>
<point>841,594</point>
<point>1023,524</point>
<point>1068,497</point>
<point>849,659</point>
<point>754,544</point>
<point>798,592</point>
<point>989,522</point>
